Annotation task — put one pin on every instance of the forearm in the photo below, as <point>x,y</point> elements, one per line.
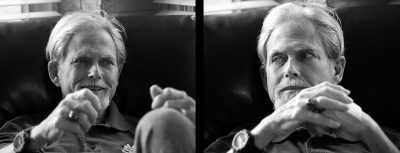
<point>376,139</point>
<point>263,134</point>
<point>33,143</point>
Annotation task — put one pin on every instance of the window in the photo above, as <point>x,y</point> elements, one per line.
<point>175,7</point>
<point>16,10</point>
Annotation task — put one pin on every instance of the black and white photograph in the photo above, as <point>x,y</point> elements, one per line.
<point>199,76</point>
<point>109,76</point>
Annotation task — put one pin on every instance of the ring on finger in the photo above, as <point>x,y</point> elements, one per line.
<point>73,115</point>
<point>311,105</point>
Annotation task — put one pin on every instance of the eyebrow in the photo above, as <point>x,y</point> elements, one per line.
<point>300,47</point>
<point>108,56</point>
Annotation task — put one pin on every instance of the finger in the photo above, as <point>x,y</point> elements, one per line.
<point>155,90</point>
<point>335,86</point>
<point>87,107</point>
<point>331,104</point>
<point>83,121</point>
<point>318,119</point>
<point>86,94</point>
<point>333,93</point>
<point>167,94</point>
<point>65,124</point>
<point>179,104</point>
<point>191,115</point>
<point>174,93</point>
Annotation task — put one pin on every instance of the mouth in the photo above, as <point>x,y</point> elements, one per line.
<point>93,88</point>
<point>292,88</point>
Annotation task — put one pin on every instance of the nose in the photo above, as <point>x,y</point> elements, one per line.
<point>291,69</point>
<point>94,72</point>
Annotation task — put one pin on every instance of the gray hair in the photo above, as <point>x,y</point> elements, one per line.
<point>325,20</point>
<point>73,23</point>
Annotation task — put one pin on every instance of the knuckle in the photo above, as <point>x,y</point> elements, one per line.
<point>168,90</point>
<point>69,96</point>
<point>183,92</point>
<point>85,92</point>
<point>326,83</point>
<point>326,89</point>
<point>320,98</point>
<point>86,103</point>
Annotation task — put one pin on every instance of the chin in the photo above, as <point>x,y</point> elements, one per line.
<point>283,98</point>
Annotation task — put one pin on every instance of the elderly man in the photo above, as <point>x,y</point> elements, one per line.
<point>86,54</point>
<point>301,48</point>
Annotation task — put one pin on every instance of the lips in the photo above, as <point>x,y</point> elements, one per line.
<point>291,88</point>
<point>93,87</point>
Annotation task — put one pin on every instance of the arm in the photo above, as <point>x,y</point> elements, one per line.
<point>35,144</point>
<point>375,138</point>
<point>54,125</point>
<point>356,124</point>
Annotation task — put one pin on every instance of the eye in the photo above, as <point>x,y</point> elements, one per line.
<point>277,59</point>
<point>107,62</point>
<point>306,55</point>
<point>82,60</point>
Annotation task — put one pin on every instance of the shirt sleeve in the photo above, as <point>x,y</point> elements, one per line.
<point>221,145</point>
<point>11,128</point>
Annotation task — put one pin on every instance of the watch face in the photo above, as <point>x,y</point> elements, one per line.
<point>240,140</point>
<point>18,142</point>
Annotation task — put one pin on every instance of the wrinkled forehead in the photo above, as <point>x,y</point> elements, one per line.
<point>95,40</point>
<point>294,33</point>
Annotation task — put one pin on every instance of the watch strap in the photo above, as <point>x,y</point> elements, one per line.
<point>22,141</point>
<point>249,146</point>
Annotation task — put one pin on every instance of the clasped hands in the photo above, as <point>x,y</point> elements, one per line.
<point>88,109</point>
<point>175,99</point>
<point>338,112</point>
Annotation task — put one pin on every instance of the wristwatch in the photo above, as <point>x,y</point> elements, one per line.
<point>243,142</point>
<point>21,141</point>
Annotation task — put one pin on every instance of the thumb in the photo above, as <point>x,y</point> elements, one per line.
<point>155,90</point>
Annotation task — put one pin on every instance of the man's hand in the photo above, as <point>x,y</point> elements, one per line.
<point>57,123</point>
<point>357,125</point>
<point>351,121</point>
<point>172,98</point>
<point>293,114</point>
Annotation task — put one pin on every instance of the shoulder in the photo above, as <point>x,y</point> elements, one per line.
<point>11,128</point>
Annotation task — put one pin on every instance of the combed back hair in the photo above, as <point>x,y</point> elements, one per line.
<point>72,23</point>
<point>325,21</point>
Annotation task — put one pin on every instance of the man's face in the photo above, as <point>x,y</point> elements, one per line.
<point>90,63</point>
<point>296,59</point>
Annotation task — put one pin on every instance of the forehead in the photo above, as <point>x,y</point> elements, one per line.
<point>294,35</point>
<point>92,41</point>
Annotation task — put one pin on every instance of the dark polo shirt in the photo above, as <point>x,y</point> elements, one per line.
<point>117,132</point>
<point>301,141</point>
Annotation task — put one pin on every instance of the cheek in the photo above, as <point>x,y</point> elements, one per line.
<point>319,73</point>
<point>111,77</point>
<point>272,81</point>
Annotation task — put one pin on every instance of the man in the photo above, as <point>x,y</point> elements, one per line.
<point>301,48</point>
<point>86,54</point>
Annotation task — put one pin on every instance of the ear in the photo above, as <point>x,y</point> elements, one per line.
<point>52,67</point>
<point>339,69</point>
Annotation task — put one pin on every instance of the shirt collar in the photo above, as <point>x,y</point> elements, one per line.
<point>115,119</point>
